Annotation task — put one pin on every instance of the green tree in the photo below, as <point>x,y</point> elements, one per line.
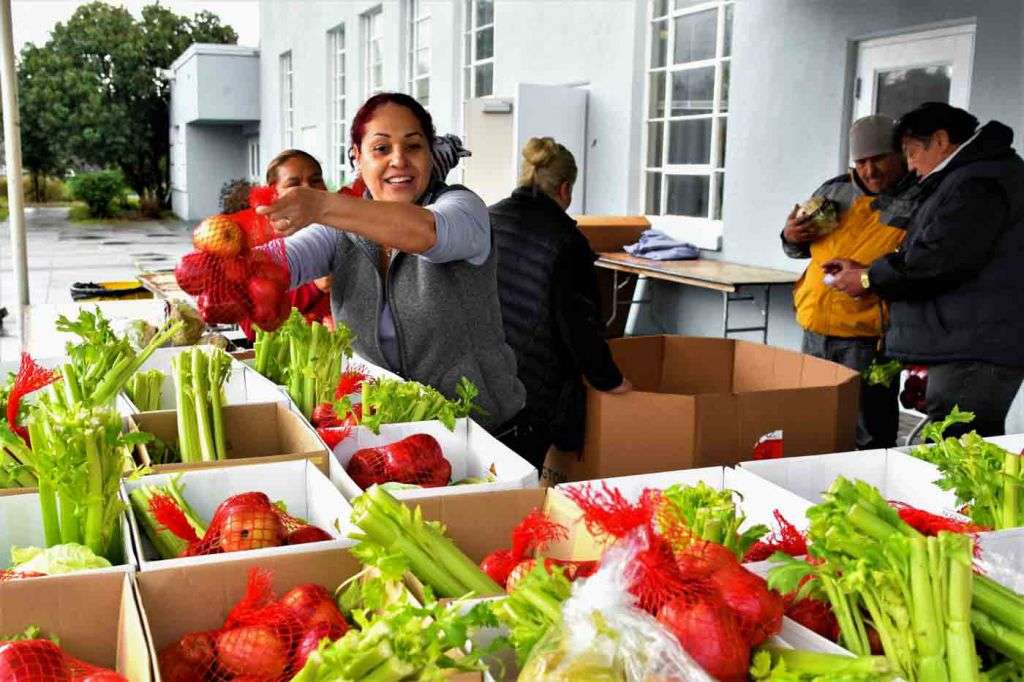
<point>100,76</point>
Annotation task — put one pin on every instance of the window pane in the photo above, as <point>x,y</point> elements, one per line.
<point>682,4</point>
<point>659,43</point>
<point>723,101</point>
<point>423,90</point>
<point>690,141</point>
<point>652,202</point>
<point>719,193</point>
<point>468,53</point>
<point>660,8</point>
<point>467,83</point>
<point>728,30</point>
<point>375,54</point>
<point>484,80</point>
<point>485,44</point>
<point>693,91</point>
<point>901,90</point>
<point>423,61</point>
<point>695,36</point>
<point>378,76</point>
<point>655,141</point>
<point>720,160</point>
<point>467,14</point>
<point>484,12</point>
<point>688,195</point>
<point>656,102</point>
<point>423,34</point>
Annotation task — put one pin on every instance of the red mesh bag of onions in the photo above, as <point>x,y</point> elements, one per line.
<point>41,660</point>
<point>263,638</point>
<point>238,271</point>
<point>241,522</point>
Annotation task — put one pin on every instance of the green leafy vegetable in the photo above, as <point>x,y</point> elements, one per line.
<point>712,516</point>
<point>144,389</point>
<point>199,377</point>
<point>167,544</point>
<point>55,560</point>
<point>532,607</point>
<point>393,401</point>
<point>789,665</point>
<point>882,373</point>
<point>984,476</point>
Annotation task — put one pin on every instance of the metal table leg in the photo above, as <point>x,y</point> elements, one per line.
<point>732,297</point>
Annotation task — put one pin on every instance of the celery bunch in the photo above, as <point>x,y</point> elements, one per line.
<point>791,665</point>
<point>144,389</point>
<point>393,401</point>
<point>919,593</point>
<point>533,605</point>
<point>984,476</point>
<point>199,378</point>
<point>167,544</point>
<point>307,358</point>
<point>389,527</point>
<point>711,515</point>
<point>102,363</point>
<point>78,455</point>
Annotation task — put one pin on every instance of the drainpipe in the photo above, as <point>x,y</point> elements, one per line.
<point>12,153</point>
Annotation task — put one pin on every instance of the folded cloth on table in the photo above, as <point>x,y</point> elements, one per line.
<point>657,245</point>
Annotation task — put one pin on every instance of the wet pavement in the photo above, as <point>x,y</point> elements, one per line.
<point>61,253</point>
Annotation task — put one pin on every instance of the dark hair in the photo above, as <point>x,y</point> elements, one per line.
<point>370,106</point>
<point>930,117</point>
<point>286,156</point>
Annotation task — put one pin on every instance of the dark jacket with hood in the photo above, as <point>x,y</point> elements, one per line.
<point>549,305</point>
<point>956,286</point>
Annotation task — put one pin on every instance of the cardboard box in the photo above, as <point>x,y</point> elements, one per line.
<point>470,449</point>
<point>1002,557</point>
<point>757,498</point>
<point>21,525</point>
<point>304,490</point>
<point>95,615</point>
<point>898,476</point>
<point>261,432</point>
<point>243,385</point>
<point>610,232</point>
<point>703,402</point>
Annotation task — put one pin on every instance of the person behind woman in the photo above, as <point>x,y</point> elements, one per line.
<point>296,168</point>
<point>549,302</point>
<point>413,271</point>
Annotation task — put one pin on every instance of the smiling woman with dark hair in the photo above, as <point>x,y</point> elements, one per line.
<point>413,271</point>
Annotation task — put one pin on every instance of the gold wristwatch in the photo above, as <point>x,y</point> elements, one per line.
<point>865,281</point>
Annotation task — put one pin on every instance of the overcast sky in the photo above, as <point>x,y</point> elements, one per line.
<point>33,19</point>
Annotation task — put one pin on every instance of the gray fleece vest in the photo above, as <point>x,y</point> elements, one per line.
<point>447,320</point>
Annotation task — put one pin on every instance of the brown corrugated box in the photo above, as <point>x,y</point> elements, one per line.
<point>705,401</point>
<point>611,232</point>
<point>95,615</point>
<point>255,433</point>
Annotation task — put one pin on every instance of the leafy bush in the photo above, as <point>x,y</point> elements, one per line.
<point>234,195</point>
<point>99,190</point>
<point>49,189</point>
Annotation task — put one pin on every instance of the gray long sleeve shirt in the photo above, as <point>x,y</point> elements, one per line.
<point>463,230</point>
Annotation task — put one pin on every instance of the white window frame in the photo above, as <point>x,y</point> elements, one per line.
<point>373,32</point>
<point>470,29</point>
<point>705,231</point>
<point>287,88</point>
<point>253,150</point>
<point>418,18</point>
<point>337,70</point>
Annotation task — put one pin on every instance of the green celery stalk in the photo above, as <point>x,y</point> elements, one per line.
<point>72,389</point>
<point>392,670</point>
<point>95,509</point>
<point>931,664</point>
<point>219,368</point>
<point>167,544</point>
<point>815,663</point>
<point>998,602</point>
<point>115,379</point>
<point>961,655</point>
<point>181,365</point>
<point>1011,490</point>
<point>1005,640</point>
<point>200,394</point>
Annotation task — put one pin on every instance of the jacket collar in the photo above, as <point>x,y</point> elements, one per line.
<point>532,196</point>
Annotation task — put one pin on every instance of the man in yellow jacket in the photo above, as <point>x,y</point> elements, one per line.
<point>838,327</point>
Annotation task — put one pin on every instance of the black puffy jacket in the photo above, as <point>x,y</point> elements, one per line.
<point>956,285</point>
<point>547,285</point>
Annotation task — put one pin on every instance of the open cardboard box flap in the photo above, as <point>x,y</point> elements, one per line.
<point>255,433</point>
<point>94,614</point>
<point>304,490</point>
<point>704,402</point>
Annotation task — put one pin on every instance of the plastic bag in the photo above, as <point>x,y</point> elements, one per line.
<point>41,660</point>
<point>263,638</point>
<point>605,636</point>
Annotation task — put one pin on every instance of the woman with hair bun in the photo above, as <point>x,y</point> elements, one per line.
<point>411,262</point>
<point>549,302</point>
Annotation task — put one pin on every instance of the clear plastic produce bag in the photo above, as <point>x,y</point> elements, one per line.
<point>604,636</point>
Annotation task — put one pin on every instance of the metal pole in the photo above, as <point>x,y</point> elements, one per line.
<point>12,153</point>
